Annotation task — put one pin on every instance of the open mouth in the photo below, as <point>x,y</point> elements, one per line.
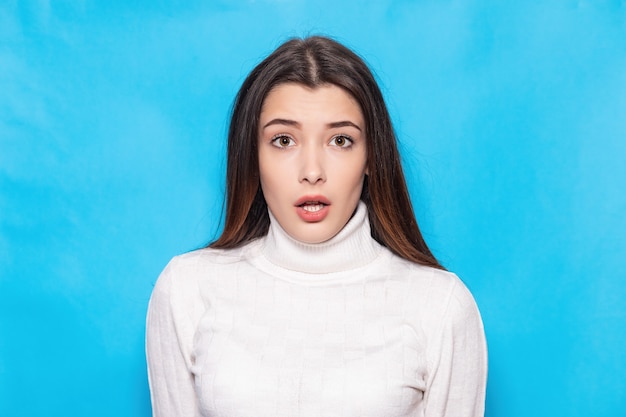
<point>312,206</point>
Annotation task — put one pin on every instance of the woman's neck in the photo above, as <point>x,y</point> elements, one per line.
<point>351,248</point>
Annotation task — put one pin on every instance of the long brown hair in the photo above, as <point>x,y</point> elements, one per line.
<point>313,62</point>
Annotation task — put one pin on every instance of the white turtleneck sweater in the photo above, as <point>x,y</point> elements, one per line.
<point>345,328</point>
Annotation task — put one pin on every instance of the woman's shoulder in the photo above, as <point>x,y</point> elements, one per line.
<point>423,274</point>
<point>201,258</point>
<point>437,287</point>
<point>188,269</point>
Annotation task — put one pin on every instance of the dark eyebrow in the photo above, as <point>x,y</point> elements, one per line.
<point>281,122</point>
<point>344,123</point>
<point>287,122</point>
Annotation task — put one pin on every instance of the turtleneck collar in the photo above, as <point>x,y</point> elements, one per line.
<point>351,248</point>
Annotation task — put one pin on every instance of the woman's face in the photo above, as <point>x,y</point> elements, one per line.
<point>312,158</point>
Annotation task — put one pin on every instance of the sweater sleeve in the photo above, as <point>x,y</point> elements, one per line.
<point>458,360</point>
<point>168,345</point>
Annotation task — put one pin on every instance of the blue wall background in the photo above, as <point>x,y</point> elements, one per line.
<point>512,121</point>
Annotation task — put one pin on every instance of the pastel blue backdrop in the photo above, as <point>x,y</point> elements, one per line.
<point>512,123</point>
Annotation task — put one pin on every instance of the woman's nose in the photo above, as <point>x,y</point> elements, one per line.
<point>312,166</point>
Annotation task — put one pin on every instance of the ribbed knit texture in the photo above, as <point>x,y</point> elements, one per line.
<point>279,328</point>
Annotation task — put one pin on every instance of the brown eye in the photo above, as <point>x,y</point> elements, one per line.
<point>282,141</point>
<point>341,141</point>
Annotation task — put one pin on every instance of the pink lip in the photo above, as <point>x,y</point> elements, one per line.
<point>312,198</point>
<point>309,216</point>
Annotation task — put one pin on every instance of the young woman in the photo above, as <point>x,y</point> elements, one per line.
<point>320,298</point>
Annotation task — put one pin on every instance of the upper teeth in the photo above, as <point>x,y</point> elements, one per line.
<point>312,207</point>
